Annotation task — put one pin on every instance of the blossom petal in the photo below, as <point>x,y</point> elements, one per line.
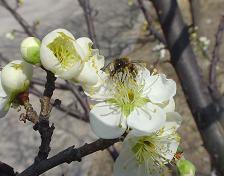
<point>126,164</point>
<point>98,59</point>
<point>173,119</point>
<point>159,89</point>
<point>69,73</point>
<point>147,119</point>
<point>168,106</point>
<point>169,138</point>
<point>169,148</point>
<point>106,121</point>
<point>142,75</point>
<point>85,44</point>
<point>102,90</point>
<point>98,91</point>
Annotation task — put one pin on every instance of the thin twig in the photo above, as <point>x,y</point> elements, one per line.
<point>24,24</point>
<point>85,5</point>
<point>82,99</point>
<point>74,113</point>
<point>149,20</point>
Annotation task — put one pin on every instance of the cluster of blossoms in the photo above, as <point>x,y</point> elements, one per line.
<point>142,104</point>
<point>59,52</point>
<point>130,99</point>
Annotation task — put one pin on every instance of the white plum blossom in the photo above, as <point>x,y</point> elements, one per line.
<point>71,59</point>
<point>138,103</point>
<point>148,155</point>
<point>15,78</point>
<point>61,54</point>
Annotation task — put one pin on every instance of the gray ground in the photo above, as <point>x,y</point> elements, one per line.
<point>118,27</point>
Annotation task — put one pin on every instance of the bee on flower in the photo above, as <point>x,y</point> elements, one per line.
<point>131,98</point>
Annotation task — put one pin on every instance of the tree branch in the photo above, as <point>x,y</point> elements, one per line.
<point>215,60</point>
<point>195,9</point>
<point>42,125</point>
<point>41,82</point>
<point>6,170</point>
<point>195,89</point>
<point>68,155</point>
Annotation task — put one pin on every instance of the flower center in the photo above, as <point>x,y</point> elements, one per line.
<point>130,96</point>
<point>127,96</point>
<point>144,149</point>
<point>17,66</point>
<point>64,50</point>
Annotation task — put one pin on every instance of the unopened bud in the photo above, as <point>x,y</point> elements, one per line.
<point>185,168</point>
<point>30,50</point>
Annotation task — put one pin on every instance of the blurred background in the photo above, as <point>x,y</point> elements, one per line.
<point>121,30</point>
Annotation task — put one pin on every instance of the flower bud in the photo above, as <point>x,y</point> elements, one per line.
<point>30,48</point>
<point>15,77</point>
<point>185,168</point>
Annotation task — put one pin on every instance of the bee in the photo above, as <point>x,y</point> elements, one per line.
<point>123,67</point>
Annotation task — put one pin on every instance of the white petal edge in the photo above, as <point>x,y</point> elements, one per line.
<point>168,106</point>
<point>159,89</point>
<point>126,165</point>
<point>85,44</point>
<point>106,122</point>
<point>88,76</point>
<point>173,119</point>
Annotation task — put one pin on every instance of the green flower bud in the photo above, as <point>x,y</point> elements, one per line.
<point>185,168</point>
<point>30,48</point>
